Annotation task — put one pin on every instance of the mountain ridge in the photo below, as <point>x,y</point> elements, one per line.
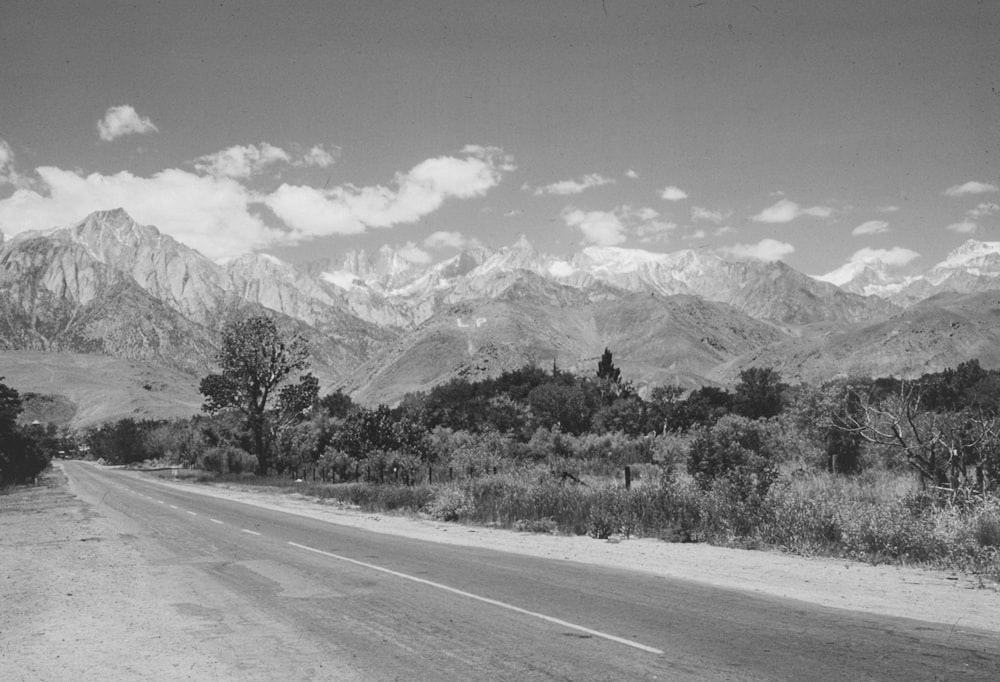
<point>381,325</point>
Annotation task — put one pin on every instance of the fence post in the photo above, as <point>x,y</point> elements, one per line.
<point>628,477</point>
<point>430,474</point>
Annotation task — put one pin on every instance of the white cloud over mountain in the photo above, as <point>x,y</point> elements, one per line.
<point>449,240</point>
<point>217,214</point>
<point>601,228</point>
<point>766,249</point>
<point>348,209</point>
<point>123,120</point>
<point>896,256</point>
<point>785,211</point>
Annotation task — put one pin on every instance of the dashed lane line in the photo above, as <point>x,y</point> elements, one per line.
<point>251,532</point>
<point>216,521</point>
<point>485,600</point>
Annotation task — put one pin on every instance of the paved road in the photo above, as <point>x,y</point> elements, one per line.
<point>349,603</point>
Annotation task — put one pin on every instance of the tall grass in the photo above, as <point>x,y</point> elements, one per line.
<point>877,517</point>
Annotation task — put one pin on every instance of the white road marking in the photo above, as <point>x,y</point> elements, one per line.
<point>252,532</point>
<point>192,513</point>
<point>172,506</point>
<point>485,600</point>
<point>215,521</point>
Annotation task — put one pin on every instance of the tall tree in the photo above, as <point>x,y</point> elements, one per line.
<point>760,393</point>
<point>606,369</point>
<point>255,358</point>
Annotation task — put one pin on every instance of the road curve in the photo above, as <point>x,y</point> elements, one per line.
<point>349,604</point>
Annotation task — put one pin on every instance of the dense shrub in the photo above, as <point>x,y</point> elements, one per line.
<point>227,459</point>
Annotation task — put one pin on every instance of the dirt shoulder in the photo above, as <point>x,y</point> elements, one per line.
<point>930,595</point>
<point>81,600</point>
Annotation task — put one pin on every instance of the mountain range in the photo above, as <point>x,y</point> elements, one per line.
<point>380,325</point>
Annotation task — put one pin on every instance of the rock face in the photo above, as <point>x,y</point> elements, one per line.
<point>382,325</point>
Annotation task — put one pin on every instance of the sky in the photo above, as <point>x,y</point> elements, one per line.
<point>817,133</point>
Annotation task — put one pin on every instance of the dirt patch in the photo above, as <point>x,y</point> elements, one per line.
<point>82,602</point>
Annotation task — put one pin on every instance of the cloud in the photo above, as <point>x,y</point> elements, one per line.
<point>973,216</point>
<point>699,213</point>
<point>871,227</point>
<point>673,193</point>
<point>970,187</point>
<point>631,174</point>
<point>9,176</point>
<point>964,227</point>
<point>565,187</point>
<point>319,157</point>
<point>766,249</point>
<point>208,213</point>
<point>697,234</point>
<point>513,213</point>
<point>348,209</point>
<point>785,211</point>
<point>895,256</point>
<point>123,120</point>
<point>449,240</point>
<point>607,228</point>
<point>414,254</point>
<point>983,210</point>
<point>888,209</point>
<point>244,161</point>
<point>241,161</point>
<point>602,228</point>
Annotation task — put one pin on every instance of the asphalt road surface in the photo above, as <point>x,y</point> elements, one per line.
<point>344,603</point>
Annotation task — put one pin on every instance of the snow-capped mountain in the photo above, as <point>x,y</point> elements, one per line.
<point>109,285</point>
<point>972,267</point>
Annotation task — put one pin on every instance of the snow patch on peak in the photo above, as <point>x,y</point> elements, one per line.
<point>970,251</point>
<point>342,279</point>
<point>560,268</point>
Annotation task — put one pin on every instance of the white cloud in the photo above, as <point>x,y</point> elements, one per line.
<point>725,229</point>
<point>9,176</point>
<point>513,213</point>
<point>413,253</point>
<point>123,120</point>
<point>631,174</point>
<point>895,256</point>
<point>970,187</point>
<point>871,227</point>
<point>319,157</point>
<point>241,161</point>
<point>244,161</point>
<point>449,240</point>
<point>697,234</point>
<point>964,227</point>
<point>423,189</point>
<point>565,187</point>
<point>785,211</point>
<point>673,193</point>
<point>983,210</point>
<point>766,249</point>
<point>888,209</point>
<point>973,216</point>
<point>210,214</point>
<point>602,228</point>
<point>699,213</point>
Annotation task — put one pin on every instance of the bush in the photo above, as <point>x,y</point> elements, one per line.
<point>226,459</point>
<point>450,503</point>
<point>742,451</point>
